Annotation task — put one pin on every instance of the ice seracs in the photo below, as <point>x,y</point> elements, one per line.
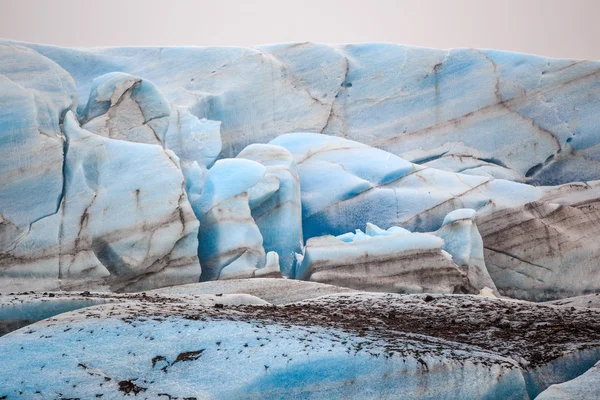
<point>463,241</point>
<point>123,106</point>
<point>546,250</point>
<point>512,114</point>
<point>275,202</point>
<point>376,167</point>
<point>124,234</point>
<point>133,230</point>
<point>409,263</point>
<point>396,260</point>
<point>365,184</point>
<point>228,236</point>
<point>127,107</point>
<point>401,138</point>
<point>35,93</point>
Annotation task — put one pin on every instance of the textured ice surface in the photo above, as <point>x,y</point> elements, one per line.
<point>130,233</point>
<point>37,306</point>
<point>163,349</point>
<point>396,260</point>
<point>587,301</point>
<point>139,225</point>
<point>34,94</point>
<point>486,112</point>
<point>538,241</point>
<point>228,236</point>
<point>22,309</point>
<point>122,106</point>
<point>127,107</point>
<point>586,386</point>
<point>275,202</point>
<point>463,241</point>
<point>547,249</point>
<point>405,263</point>
<point>365,184</point>
<point>122,168</point>
<point>351,345</point>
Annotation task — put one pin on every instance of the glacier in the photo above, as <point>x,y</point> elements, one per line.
<point>145,183</point>
<point>189,344</point>
<point>276,202</point>
<point>396,260</point>
<point>412,263</point>
<point>407,168</point>
<point>582,387</point>
<point>538,126</point>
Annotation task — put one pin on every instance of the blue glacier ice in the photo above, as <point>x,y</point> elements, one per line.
<point>345,345</point>
<point>85,228</point>
<point>127,107</point>
<point>150,235</point>
<point>538,124</point>
<point>449,260</point>
<point>233,355</point>
<point>371,167</point>
<point>463,241</point>
<point>346,137</point>
<point>397,263</point>
<point>365,184</point>
<point>583,387</point>
<point>276,208</point>
<point>35,93</point>
<point>228,236</point>
<point>193,139</point>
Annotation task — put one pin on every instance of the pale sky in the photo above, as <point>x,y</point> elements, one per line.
<point>556,28</point>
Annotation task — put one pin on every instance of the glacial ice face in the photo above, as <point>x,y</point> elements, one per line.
<point>365,184</point>
<point>228,236</point>
<point>95,224</point>
<point>581,388</point>
<point>397,263</point>
<point>396,260</point>
<point>538,242</point>
<point>484,112</point>
<point>498,118</point>
<point>275,202</point>
<point>547,249</point>
<point>34,95</point>
<point>463,241</point>
<point>136,228</point>
<point>130,233</point>
<point>74,211</point>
